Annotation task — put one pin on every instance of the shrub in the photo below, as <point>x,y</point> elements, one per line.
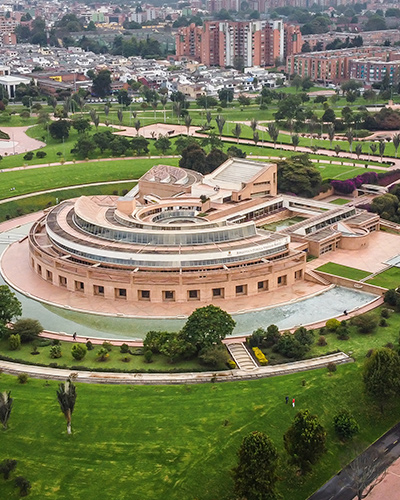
<point>28,329</point>
<point>124,348</point>
<point>55,352</point>
<point>391,297</point>
<point>385,313</point>
<point>290,347</point>
<point>55,342</point>
<point>343,334</point>
<point>28,156</point>
<point>321,341</point>
<point>304,336</point>
<point>23,484</point>
<point>260,356</point>
<point>345,425</point>
<point>41,154</point>
<point>383,322</point>
<point>365,323</point>
<point>273,335</point>
<point>35,350</point>
<point>215,355</point>
<point>369,353</point>
<point>231,364</point>
<point>7,466</point>
<point>148,356</point>
<point>107,346</point>
<point>331,367</point>
<point>332,324</point>
<point>126,359</point>
<point>14,342</point>
<point>257,337</point>
<point>102,354</point>
<point>389,345</point>
<point>78,351</point>
<point>89,346</point>
<point>23,378</point>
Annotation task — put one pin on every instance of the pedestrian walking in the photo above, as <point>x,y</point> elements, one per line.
<point>345,312</point>
<point>287,399</point>
<point>74,336</point>
<point>293,402</point>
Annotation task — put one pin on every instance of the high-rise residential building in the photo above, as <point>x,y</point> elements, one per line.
<point>239,43</point>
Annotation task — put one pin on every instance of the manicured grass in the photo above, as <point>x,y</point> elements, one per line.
<point>339,201</point>
<point>282,223</point>
<point>344,271</point>
<point>32,204</point>
<point>147,442</point>
<point>387,279</point>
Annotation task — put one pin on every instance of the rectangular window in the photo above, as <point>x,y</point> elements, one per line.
<point>120,293</point>
<point>168,295</point>
<point>241,289</point>
<point>79,286</point>
<point>282,280</point>
<point>218,293</point>
<point>298,274</point>
<point>144,294</point>
<point>62,280</point>
<point>262,286</point>
<point>193,294</point>
<point>98,290</point>
<point>39,269</point>
<point>49,276</point>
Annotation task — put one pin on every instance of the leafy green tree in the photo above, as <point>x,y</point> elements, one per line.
<point>255,476</point>
<point>288,345</point>
<point>234,151</point>
<point>214,159</point>
<point>305,440</point>
<point>207,326</point>
<point>396,142</point>
<point>298,175</point>
<point>78,351</point>
<point>162,144</point>
<point>66,395</point>
<point>220,124</point>
<point>140,144</point>
<point>10,306</point>
<point>6,402</point>
<point>14,342</point>
<point>194,158</point>
<point>28,329</point>
<point>273,133</point>
<point>382,146</point>
<point>81,125</point>
<point>304,336</point>
<point>103,139</point>
<point>295,141</point>
<point>124,98</point>
<point>225,95</point>
<point>59,129</point>
<point>237,131</point>
<point>366,323</point>
<point>7,466</point>
<point>345,425</point>
<point>84,146</point>
<point>381,375</point>
<point>358,150</point>
<point>101,86</point>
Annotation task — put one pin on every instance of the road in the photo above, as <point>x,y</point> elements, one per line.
<point>340,486</point>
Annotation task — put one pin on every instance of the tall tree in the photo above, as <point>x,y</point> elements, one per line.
<point>154,105</point>
<point>396,142</point>
<point>207,326</point>
<point>382,147</point>
<point>358,150</point>
<point>255,476</point>
<point>295,141</point>
<point>188,121</point>
<point>162,144</point>
<point>120,115</point>
<point>164,100</point>
<point>253,124</point>
<point>59,129</point>
<point>237,131</point>
<point>305,440</point>
<point>382,375</point>
<point>350,137</point>
<point>273,133</point>
<point>220,124</point>
<point>10,306</point>
<point>331,133</point>
<point>373,148</point>
<point>66,395</point>
<point>256,137</point>
<point>101,86</point>
<point>137,126</point>
<point>338,149</point>
<point>6,402</point>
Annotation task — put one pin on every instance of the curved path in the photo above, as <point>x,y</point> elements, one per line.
<point>172,378</point>
<point>19,141</point>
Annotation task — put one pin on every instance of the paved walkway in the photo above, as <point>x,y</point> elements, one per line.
<point>19,141</point>
<point>173,378</point>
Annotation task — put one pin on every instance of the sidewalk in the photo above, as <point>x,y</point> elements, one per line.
<point>173,378</point>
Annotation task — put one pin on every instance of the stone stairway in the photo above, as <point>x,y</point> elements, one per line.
<point>311,275</point>
<point>241,356</point>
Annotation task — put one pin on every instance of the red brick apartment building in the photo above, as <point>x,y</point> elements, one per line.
<point>223,43</point>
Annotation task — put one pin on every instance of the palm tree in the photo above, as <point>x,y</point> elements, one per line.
<point>106,109</point>
<point>295,141</point>
<point>256,137</point>
<point>92,114</point>
<point>96,121</point>
<point>273,133</point>
<point>358,150</point>
<point>66,395</point>
<point>176,107</point>
<point>382,146</point>
<point>154,105</point>
<point>350,137</point>
<point>137,126</point>
<point>337,149</point>
<point>396,142</point>
<point>6,402</point>
<point>373,148</point>
<point>208,117</point>
<point>120,115</point>
<point>220,124</point>
<point>331,133</point>
<point>253,124</point>
<point>237,131</point>
<point>188,121</point>
<point>163,100</point>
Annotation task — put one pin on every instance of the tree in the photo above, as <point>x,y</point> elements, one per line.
<point>382,146</point>
<point>253,124</point>
<point>78,351</point>
<point>237,131</point>
<point>255,475</point>
<point>256,138</point>
<point>298,175</point>
<point>60,129</point>
<point>6,402</point>
<point>244,100</point>
<point>162,144</point>
<point>164,100</point>
<point>120,116</point>
<point>220,124</point>
<point>66,395</point>
<point>28,329</point>
<point>381,375</point>
<point>188,121</point>
<point>345,425</point>
<point>207,326</point>
<point>358,150</point>
<point>295,141</point>
<point>214,159</point>
<point>225,95</point>
<point>373,148</point>
<point>140,144</point>
<point>305,440</point>
<point>396,142</point>
<point>329,116</point>
<point>84,146</point>
<point>101,86</point>
<point>350,137</point>
<point>124,98</point>
<point>81,125</point>
<point>194,158</point>
<point>10,306</point>
<point>137,126</point>
<point>337,149</point>
<point>273,133</point>
<point>154,105</point>
<point>331,133</point>
<point>365,472</point>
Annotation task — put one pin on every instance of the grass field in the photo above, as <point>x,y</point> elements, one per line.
<point>344,271</point>
<point>339,201</point>
<point>387,279</point>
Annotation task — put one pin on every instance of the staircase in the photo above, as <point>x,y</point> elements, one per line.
<point>311,275</point>
<point>241,356</point>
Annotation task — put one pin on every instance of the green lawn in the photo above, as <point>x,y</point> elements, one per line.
<point>147,442</point>
<point>387,279</point>
<point>339,201</point>
<point>344,271</point>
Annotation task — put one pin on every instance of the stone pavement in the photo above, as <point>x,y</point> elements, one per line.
<point>172,378</point>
